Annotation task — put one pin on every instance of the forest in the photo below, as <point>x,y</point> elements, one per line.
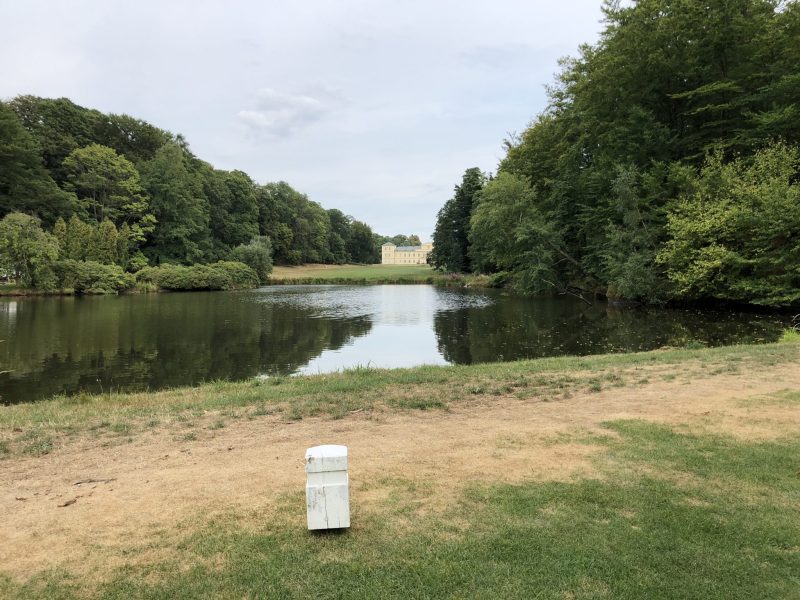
<point>665,168</point>
<point>88,199</point>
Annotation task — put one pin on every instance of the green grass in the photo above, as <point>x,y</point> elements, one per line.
<point>791,335</point>
<point>7,289</point>
<point>38,428</point>
<point>369,274</point>
<point>670,515</point>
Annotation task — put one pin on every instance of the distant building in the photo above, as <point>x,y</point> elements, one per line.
<point>405,255</point>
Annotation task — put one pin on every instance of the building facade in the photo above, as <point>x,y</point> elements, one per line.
<point>405,255</point>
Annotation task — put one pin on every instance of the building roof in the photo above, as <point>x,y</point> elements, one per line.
<point>408,248</point>
<point>388,244</point>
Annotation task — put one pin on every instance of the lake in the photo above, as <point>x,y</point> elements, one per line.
<point>59,345</point>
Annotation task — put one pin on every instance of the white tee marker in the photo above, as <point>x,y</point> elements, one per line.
<point>327,487</point>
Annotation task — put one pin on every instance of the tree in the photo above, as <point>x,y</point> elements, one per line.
<point>59,126</point>
<point>736,236</point>
<point>339,238</point>
<point>108,187</point>
<point>135,139</point>
<point>361,247</point>
<point>634,234</point>
<point>233,209</point>
<point>257,254</point>
<point>25,185</point>
<point>179,205</point>
<point>60,231</point>
<point>104,250</point>
<point>78,239</point>
<point>667,82</point>
<point>451,235</point>
<point>27,252</point>
<point>509,232</point>
<point>299,228</point>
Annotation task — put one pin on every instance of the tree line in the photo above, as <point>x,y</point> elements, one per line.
<point>665,168</point>
<point>77,184</point>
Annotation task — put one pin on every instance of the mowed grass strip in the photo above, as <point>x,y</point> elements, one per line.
<point>371,274</point>
<point>670,515</point>
<point>368,272</point>
<point>41,427</point>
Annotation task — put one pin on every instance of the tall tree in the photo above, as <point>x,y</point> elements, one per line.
<point>233,209</point>
<point>340,233</point>
<point>27,251</point>
<point>361,246</point>
<point>25,185</point>
<point>108,186</point>
<point>451,235</point>
<point>180,208</point>
<point>59,126</point>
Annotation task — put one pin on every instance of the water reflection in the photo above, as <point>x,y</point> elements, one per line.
<point>157,341</point>
<point>516,328</point>
<point>57,345</point>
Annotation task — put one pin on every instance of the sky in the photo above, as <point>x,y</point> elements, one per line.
<point>372,107</point>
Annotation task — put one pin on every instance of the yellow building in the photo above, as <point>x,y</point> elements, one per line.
<point>405,255</point>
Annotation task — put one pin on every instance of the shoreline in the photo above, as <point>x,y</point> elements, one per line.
<point>38,427</point>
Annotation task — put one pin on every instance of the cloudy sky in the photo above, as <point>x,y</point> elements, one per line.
<point>374,107</point>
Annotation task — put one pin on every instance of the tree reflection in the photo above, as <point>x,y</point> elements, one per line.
<point>65,345</point>
<point>516,328</point>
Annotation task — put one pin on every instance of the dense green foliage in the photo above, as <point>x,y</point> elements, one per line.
<point>450,238</point>
<point>223,275</point>
<point>659,150</point>
<point>737,236</point>
<point>27,252</point>
<point>256,254</point>
<point>89,277</point>
<point>118,191</point>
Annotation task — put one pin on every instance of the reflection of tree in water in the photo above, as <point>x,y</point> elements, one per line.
<point>515,328</point>
<point>152,342</point>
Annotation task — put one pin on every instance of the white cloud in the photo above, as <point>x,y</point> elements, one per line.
<point>280,115</point>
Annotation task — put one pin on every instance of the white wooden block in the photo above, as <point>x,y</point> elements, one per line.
<point>327,487</point>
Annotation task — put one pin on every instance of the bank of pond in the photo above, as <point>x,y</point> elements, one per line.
<point>98,344</point>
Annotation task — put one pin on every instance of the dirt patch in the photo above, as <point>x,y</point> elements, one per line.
<point>81,506</point>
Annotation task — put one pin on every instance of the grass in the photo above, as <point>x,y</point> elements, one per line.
<point>368,274</point>
<point>670,515</point>
<point>791,335</point>
<point>8,289</point>
<point>37,428</point>
<point>667,512</point>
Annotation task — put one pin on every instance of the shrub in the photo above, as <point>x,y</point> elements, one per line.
<point>27,252</point>
<point>89,277</point>
<point>224,275</point>
<point>257,255</point>
<point>736,237</point>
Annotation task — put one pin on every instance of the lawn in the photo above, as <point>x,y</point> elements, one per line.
<point>666,474</point>
<point>321,274</point>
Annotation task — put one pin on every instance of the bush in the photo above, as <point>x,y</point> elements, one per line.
<point>737,236</point>
<point>257,255</point>
<point>225,275</point>
<point>89,277</point>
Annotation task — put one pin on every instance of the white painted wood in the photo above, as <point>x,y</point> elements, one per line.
<point>327,487</point>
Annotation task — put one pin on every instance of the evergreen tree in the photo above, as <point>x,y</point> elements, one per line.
<point>104,250</point>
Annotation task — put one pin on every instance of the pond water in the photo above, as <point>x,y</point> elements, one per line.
<point>59,345</point>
